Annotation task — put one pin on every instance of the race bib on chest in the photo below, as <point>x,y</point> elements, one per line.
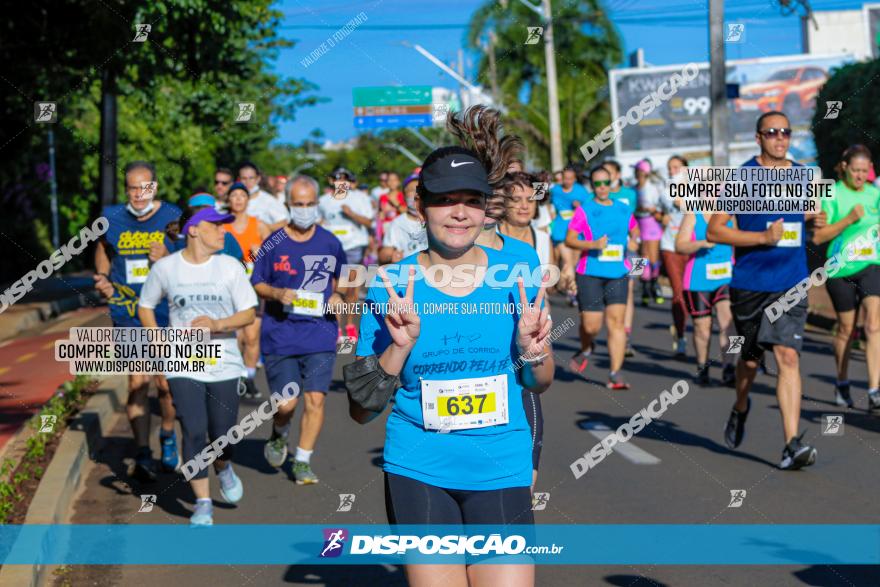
<point>462,404</point>
<point>612,253</point>
<point>791,234</point>
<point>136,270</point>
<point>867,253</point>
<point>719,270</point>
<point>307,303</point>
<point>338,230</point>
<point>567,214</point>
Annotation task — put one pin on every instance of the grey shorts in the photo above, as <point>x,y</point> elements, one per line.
<point>355,256</point>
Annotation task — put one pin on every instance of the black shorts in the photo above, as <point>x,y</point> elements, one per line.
<point>700,303</point>
<point>535,416</point>
<point>595,293</point>
<point>408,501</point>
<point>847,293</point>
<point>755,326</point>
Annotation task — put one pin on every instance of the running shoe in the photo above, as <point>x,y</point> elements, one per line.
<point>351,332</point>
<point>615,381</point>
<point>304,474</point>
<point>203,514</point>
<point>735,429</point>
<point>275,450</point>
<point>170,458</point>
<point>796,454</point>
<point>231,488</point>
<point>681,348</point>
<point>874,399</point>
<point>144,467</point>
<point>579,362</point>
<point>629,352</point>
<point>702,375</point>
<point>646,300</point>
<point>728,374</point>
<point>841,395</point>
<point>250,389</point>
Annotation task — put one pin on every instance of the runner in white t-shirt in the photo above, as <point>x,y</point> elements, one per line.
<point>262,204</point>
<point>405,234</point>
<point>348,214</point>
<point>209,291</point>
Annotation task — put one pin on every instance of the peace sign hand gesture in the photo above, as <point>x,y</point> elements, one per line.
<point>402,320</point>
<point>534,324</point>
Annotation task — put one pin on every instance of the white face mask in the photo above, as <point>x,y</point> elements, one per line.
<point>303,216</point>
<point>411,206</point>
<point>135,212</point>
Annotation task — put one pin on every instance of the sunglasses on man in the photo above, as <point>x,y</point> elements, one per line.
<point>769,133</point>
<point>602,183</point>
<point>221,182</point>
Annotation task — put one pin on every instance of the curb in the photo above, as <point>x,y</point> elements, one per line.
<point>61,481</point>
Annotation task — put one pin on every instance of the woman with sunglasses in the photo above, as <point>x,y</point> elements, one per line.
<point>853,217</point>
<point>211,291</point>
<point>608,228</point>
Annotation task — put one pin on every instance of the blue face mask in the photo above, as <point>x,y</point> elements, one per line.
<point>303,216</point>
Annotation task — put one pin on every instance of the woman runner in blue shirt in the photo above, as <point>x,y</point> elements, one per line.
<point>457,447</point>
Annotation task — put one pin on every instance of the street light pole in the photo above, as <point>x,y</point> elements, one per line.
<point>718,84</point>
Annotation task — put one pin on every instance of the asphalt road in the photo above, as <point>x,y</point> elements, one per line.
<point>676,471</point>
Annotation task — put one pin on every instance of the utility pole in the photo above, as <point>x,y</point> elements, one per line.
<point>107,166</point>
<point>546,13</point>
<point>53,186</point>
<point>718,84</point>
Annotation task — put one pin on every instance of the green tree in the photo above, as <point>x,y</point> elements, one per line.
<point>587,46</point>
<point>857,85</point>
<point>178,93</point>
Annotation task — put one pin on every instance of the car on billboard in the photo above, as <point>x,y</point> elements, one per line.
<point>792,90</point>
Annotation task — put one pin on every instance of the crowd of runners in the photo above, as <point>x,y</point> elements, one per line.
<point>265,262</point>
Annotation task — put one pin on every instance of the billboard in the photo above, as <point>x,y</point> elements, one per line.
<point>681,123</point>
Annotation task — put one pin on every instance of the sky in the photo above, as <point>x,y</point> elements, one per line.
<point>669,32</point>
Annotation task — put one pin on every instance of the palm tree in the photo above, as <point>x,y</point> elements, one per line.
<point>587,46</point>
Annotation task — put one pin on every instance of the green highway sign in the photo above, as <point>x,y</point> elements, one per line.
<point>392,96</point>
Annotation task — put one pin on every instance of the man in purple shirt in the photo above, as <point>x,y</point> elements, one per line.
<point>296,272</point>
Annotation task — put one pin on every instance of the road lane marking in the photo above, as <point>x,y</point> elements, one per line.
<point>48,345</point>
<point>25,357</point>
<point>627,450</point>
<point>3,370</point>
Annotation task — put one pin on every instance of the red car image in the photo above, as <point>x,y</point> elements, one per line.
<point>792,90</point>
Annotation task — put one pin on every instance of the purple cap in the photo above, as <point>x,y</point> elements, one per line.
<point>207,215</point>
<point>412,177</point>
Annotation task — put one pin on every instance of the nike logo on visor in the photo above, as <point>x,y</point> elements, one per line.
<point>454,164</point>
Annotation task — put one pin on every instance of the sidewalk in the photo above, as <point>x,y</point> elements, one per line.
<point>29,374</point>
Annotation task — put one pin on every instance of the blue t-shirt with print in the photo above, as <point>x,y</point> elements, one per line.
<point>564,203</point>
<point>769,268</point>
<point>310,266</point>
<point>473,342</point>
<point>129,240</point>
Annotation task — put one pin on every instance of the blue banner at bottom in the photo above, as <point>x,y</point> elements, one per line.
<point>650,544</point>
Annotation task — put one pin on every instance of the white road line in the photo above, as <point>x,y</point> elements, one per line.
<point>627,450</point>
